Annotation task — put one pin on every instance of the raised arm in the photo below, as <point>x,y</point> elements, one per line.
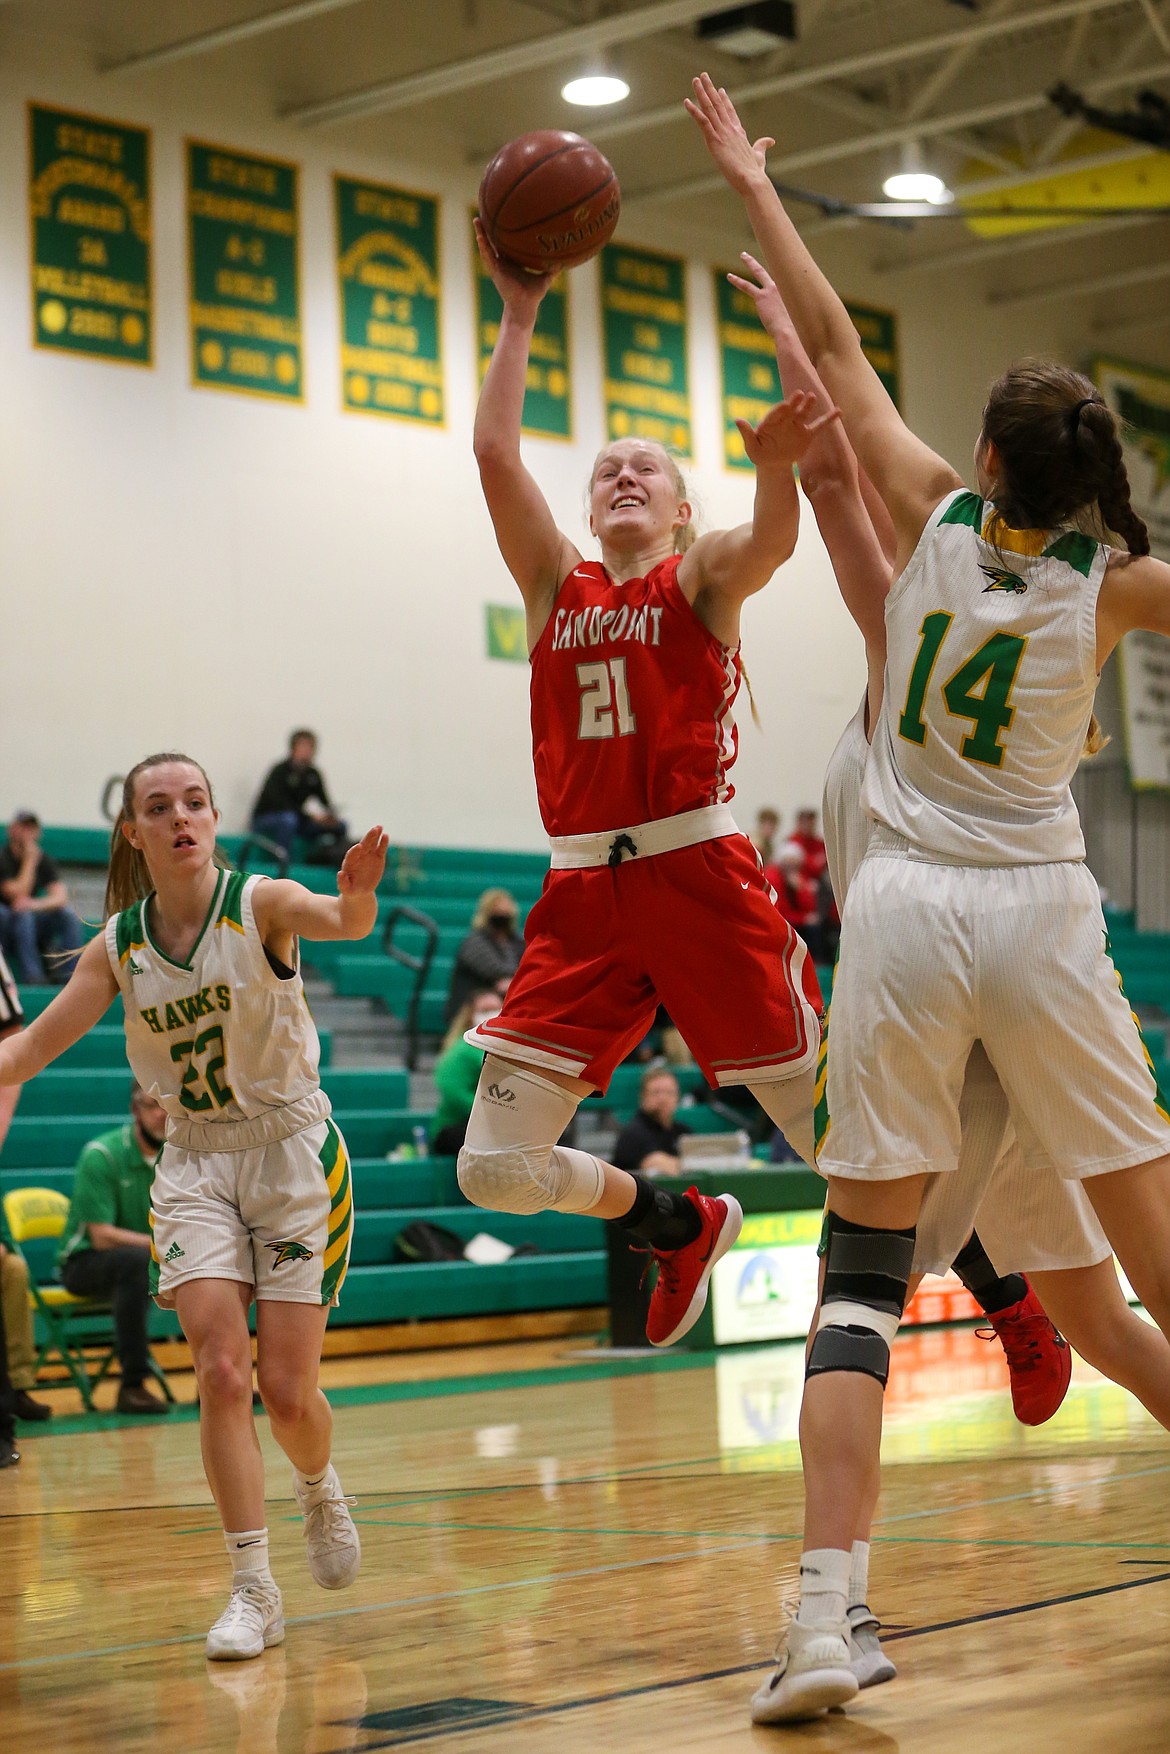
<point>829,476</point>
<point>285,910</point>
<point>534,550</point>
<point>82,1002</point>
<point>726,566</point>
<point>907,474</point>
<point>1135,593</point>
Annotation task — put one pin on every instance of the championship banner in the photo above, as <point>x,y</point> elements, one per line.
<point>244,273</point>
<point>388,274</point>
<point>1140,396</point>
<point>748,369</point>
<point>879,343</point>
<point>644,321</point>
<point>89,205</point>
<point>547,394</point>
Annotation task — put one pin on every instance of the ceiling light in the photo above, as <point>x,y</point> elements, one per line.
<point>914,182</point>
<point>595,89</point>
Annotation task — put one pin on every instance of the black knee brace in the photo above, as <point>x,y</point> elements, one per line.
<point>866,1274</point>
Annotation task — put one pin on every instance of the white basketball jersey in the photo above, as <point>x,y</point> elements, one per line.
<point>846,826</point>
<point>220,1037</point>
<point>990,674</point>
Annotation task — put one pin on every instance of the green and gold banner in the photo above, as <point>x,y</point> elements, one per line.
<point>507,633</point>
<point>388,269</point>
<point>644,320</point>
<point>749,373</point>
<point>89,201</point>
<point>244,273</point>
<point>879,343</point>
<point>548,411</point>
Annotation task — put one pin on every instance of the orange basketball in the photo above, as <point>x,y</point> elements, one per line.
<point>549,200</point>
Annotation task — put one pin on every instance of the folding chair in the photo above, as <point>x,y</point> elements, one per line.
<point>35,1219</point>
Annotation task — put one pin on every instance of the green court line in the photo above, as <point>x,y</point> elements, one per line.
<point>487,1589</point>
<point>437,1388</point>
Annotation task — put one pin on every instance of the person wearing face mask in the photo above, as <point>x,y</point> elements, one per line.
<point>106,1247</point>
<point>457,1075</point>
<point>490,954</point>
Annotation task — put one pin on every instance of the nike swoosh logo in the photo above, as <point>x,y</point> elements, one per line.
<point>703,1259</point>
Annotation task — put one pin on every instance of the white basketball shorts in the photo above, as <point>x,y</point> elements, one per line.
<point>277,1216</point>
<point>936,957</point>
<point>1029,1221</point>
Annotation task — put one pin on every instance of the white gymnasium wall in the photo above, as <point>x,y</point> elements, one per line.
<point>190,568</point>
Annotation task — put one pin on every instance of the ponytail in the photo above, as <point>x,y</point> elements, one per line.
<point>128,879</point>
<point>1095,739</point>
<point>1097,436</point>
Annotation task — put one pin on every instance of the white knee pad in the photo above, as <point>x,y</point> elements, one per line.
<point>790,1103</point>
<point>510,1161</point>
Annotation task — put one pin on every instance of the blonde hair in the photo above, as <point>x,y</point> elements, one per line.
<point>128,879</point>
<point>1095,739</point>
<point>685,535</point>
<point>493,901</point>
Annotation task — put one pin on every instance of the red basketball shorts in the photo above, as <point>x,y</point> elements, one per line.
<point>696,930</point>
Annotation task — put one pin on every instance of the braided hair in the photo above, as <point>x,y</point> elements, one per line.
<point>1060,453</point>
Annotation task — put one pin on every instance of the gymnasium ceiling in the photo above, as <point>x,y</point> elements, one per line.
<point>449,80</point>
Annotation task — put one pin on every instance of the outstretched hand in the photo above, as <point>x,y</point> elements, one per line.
<point>520,289</point>
<point>765,294</point>
<point>362,868</point>
<point>786,431</point>
<point>742,161</point>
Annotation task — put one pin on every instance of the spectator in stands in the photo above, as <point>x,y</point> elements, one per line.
<point>20,1347</point>
<point>457,1072</point>
<point>37,925</point>
<point>294,803</point>
<point>649,1142</point>
<point>105,1251</point>
<point>490,954</point>
<point>796,897</point>
<point>765,832</point>
<point>806,836</point>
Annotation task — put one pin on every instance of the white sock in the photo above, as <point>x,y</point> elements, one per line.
<point>859,1574</point>
<point>248,1551</point>
<point>824,1585</point>
<point>312,1484</point>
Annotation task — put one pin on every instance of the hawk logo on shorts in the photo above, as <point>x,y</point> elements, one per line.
<point>290,1251</point>
<point>1002,580</point>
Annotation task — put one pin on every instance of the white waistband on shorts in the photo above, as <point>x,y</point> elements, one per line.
<point>582,852</point>
<point>262,1129</point>
<point>886,843</point>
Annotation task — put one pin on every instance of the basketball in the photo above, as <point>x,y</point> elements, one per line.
<point>549,200</point>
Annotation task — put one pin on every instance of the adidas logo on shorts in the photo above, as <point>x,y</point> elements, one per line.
<point>174,1253</point>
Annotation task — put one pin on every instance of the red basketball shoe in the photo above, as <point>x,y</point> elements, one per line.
<point>680,1295</point>
<point>1039,1358</point>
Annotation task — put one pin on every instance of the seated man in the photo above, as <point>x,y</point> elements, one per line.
<point>37,924</point>
<point>105,1251</point>
<point>20,1350</point>
<point>293,801</point>
<point>649,1142</point>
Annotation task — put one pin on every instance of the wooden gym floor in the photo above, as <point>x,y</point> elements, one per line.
<point>572,1554</point>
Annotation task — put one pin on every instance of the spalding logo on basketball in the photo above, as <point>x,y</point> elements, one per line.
<point>549,200</point>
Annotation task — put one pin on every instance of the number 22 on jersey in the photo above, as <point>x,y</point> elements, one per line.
<point>995,664</point>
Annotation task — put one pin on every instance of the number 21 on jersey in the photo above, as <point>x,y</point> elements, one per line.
<point>605,701</point>
<point>995,664</point>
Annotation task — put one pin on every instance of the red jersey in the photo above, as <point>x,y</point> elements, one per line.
<point>631,704</point>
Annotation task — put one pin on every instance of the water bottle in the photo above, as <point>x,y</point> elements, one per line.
<point>421,1146</point>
